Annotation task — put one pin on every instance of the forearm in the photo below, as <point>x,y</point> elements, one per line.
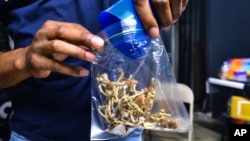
<point>12,67</point>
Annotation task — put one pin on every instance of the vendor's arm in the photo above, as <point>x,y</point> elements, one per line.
<point>167,12</point>
<point>52,44</point>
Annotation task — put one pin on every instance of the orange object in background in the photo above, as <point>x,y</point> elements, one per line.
<point>236,64</point>
<point>235,69</point>
<point>230,74</point>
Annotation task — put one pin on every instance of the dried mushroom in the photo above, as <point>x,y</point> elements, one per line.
<point>127,106</point>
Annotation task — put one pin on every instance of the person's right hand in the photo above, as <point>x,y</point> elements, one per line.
<point>53,43</point>
<point>168,12</point>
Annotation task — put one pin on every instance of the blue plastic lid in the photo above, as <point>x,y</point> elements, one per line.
<point>124,29</point>
<point>122,10</point>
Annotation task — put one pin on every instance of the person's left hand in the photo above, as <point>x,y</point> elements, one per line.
<point>168,12</point>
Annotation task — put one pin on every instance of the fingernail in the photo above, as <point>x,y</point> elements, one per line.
<point>84,72</point>
<point>154,32</point>
<point>97,42</point>
<point>90,56</point>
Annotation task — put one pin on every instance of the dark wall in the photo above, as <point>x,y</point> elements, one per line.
<point>192,48</point>
<point>228,32</point>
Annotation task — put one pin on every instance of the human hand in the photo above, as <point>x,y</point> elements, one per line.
<point>167,12</point>
<point>53,43</point>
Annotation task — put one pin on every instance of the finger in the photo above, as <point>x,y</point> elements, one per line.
<point>43,64</point>
<point>69,70</point>
<point>146,16</point>
<point>184,4</point>
<point>163,10</point>
<point>71,32</point>
<point>176,8</point>
<point>61,47</point>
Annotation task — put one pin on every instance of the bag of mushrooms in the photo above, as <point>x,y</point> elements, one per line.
<point>134,86</point>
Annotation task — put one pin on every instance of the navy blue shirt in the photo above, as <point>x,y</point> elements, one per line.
<point>57,108</point>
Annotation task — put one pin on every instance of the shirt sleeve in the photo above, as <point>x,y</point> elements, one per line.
<point>8,5</point>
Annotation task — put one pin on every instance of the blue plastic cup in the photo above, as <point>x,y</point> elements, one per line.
<point>124,29</point>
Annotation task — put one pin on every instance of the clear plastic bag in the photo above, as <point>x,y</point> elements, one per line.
<point>135,91</point>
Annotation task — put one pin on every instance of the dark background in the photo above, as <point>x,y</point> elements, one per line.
<point>227,37</point>
<point>210,32</point>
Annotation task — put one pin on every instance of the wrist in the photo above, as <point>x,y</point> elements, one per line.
<point>20,62</point>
